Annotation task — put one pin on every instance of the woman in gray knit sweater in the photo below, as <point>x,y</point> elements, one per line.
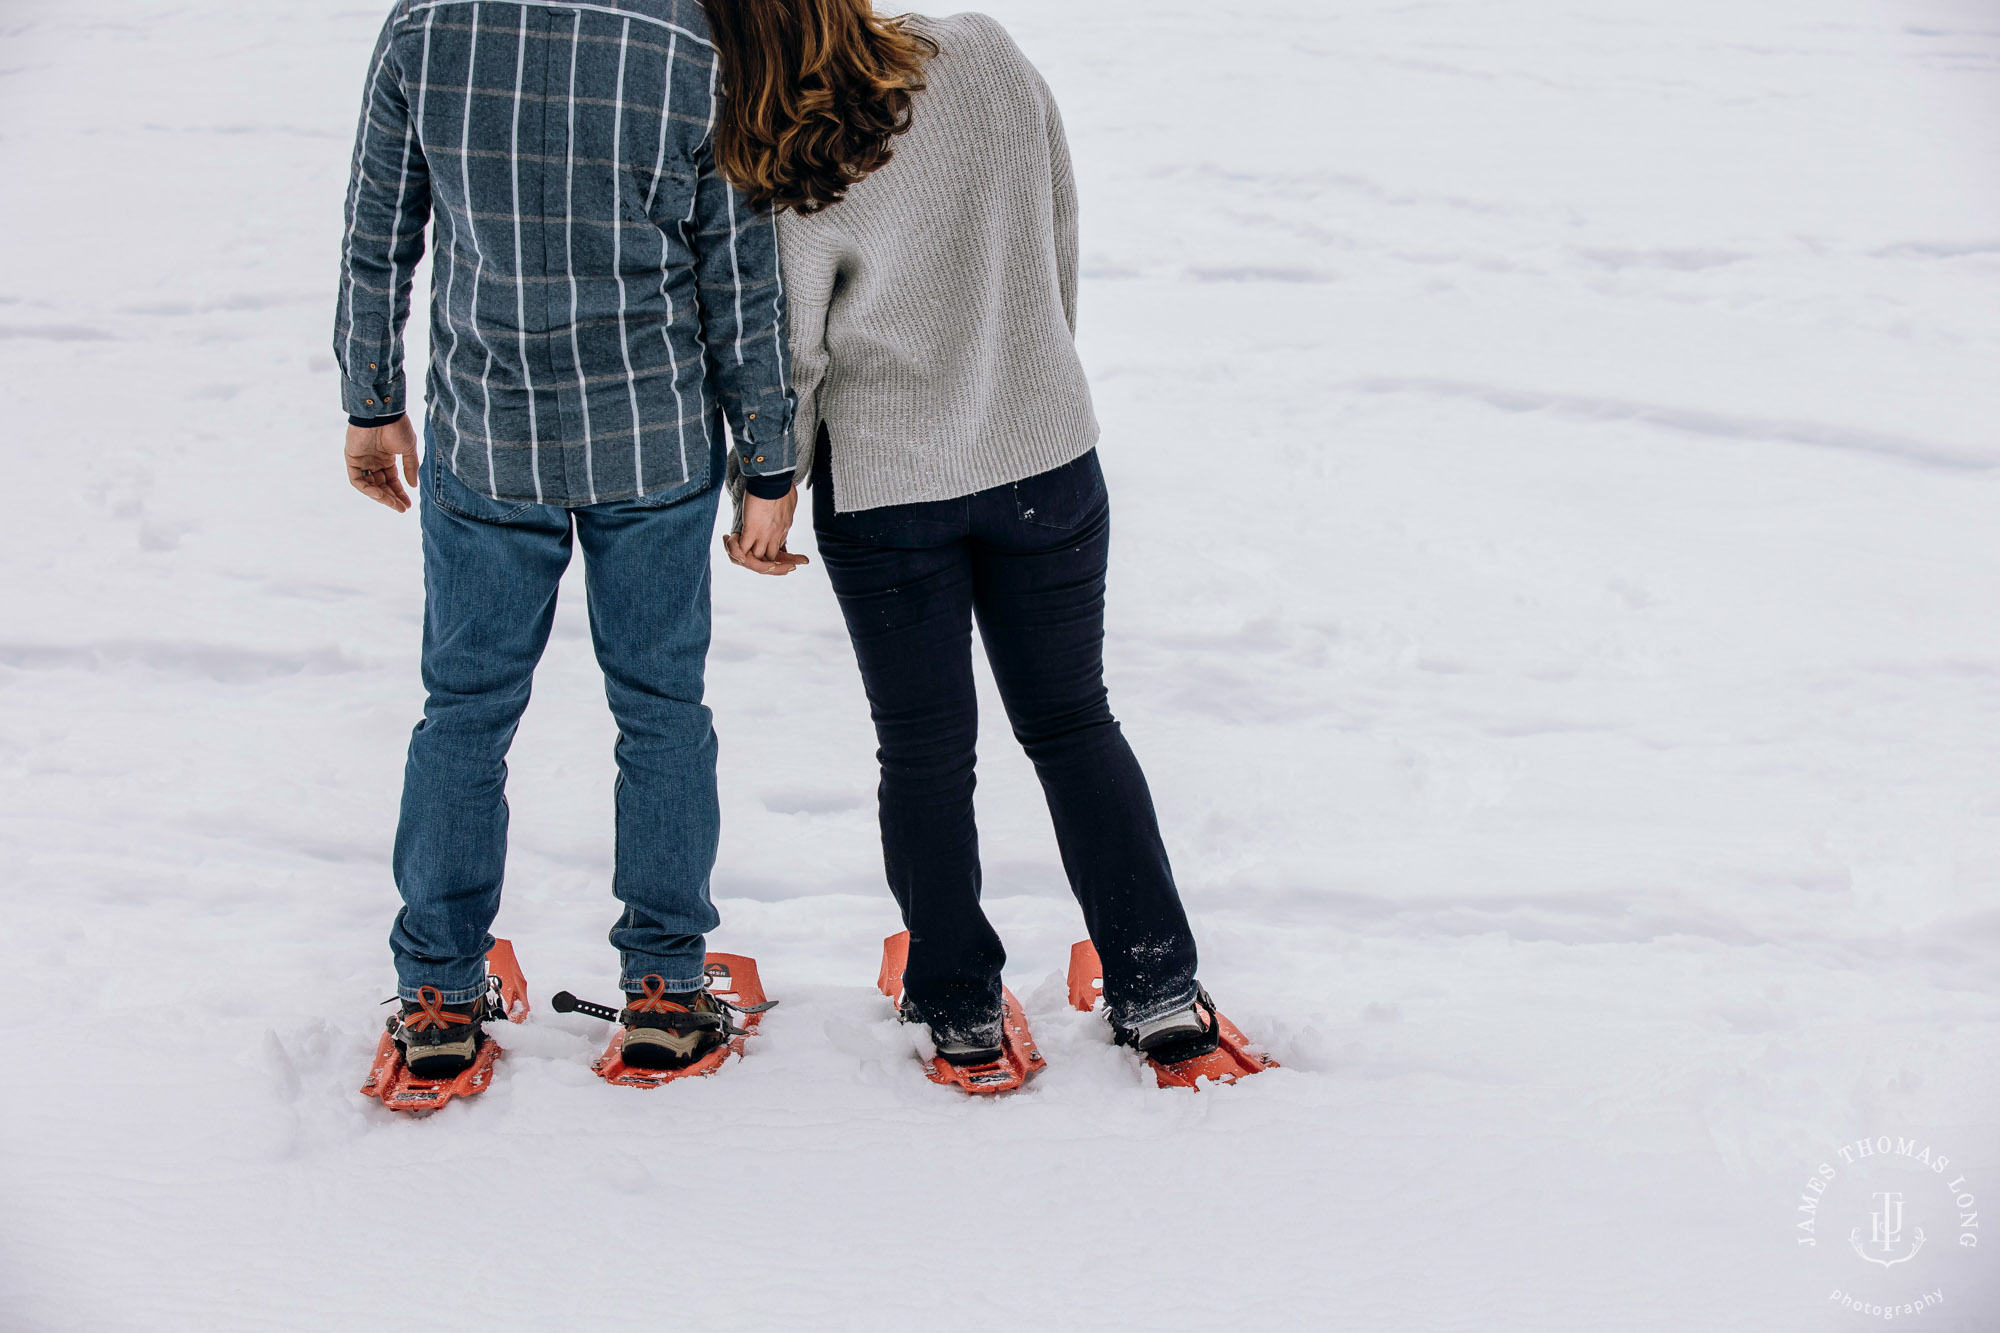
<point>928,229</point>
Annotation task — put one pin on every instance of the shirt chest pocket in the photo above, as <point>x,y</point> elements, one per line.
<point>656,223</point>
<point>665,197</point>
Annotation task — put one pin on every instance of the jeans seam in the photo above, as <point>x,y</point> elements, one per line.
<point>631,987</point>
<point>410,993</point>
<point>499,520</point>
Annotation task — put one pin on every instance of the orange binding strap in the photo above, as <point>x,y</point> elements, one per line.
<point>433,1014</point>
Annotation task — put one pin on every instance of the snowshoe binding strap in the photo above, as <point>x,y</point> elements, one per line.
<point>565,1003</point>
<point>492,1002</point>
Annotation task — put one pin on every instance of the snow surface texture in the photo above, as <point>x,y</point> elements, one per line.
<point>1553,445</point>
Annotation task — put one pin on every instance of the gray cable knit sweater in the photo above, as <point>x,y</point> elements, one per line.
<point>933,311</point>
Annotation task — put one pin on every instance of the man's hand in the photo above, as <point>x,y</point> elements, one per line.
<point>371,461</point>
<point>760,547</point>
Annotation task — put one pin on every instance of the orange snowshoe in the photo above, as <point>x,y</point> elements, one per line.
<point>732,982</point>
<point>389,1078</point>
<point>1019,1060</point>
<point>1231,1059</point>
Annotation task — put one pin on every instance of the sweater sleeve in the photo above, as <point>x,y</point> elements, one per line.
<point>811,254</point>
<point>1063,185</point>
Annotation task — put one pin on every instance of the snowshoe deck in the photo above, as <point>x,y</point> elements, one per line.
<point>390,1080</point>
<point>1019,1060</point>
<point>733,979</point>
<point>1232,1058</point>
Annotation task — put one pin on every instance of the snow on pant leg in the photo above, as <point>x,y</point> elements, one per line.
<point>905,590</point>
<point>491,569</point>
<point>646,567</point>
<point>1039,553</point>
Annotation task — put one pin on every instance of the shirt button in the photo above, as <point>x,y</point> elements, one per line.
<point>760,458</point>
<point>371,365</point>
<point>369,403</point>
<point>753,415</point>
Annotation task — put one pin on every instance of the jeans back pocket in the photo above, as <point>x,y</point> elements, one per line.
<point>454,496</point>
<point>1062,497</point>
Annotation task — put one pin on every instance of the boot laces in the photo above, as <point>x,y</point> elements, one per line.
<point>432,1013</point>
<point>710,1008</point>
<point>655,1000</point>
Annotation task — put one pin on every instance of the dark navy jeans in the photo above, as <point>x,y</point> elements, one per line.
<point>1027,560</point>
<point>491,568</point>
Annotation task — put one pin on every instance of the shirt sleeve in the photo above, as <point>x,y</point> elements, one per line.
<point>742,297</point>
<point>769,488</point>
<point>388,206</point>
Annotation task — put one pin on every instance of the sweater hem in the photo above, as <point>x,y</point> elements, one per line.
<point>987,464</point>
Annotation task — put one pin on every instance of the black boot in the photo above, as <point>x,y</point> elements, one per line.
<point>672,1029</point>
<point>1180,1034</point>
<point>958,1046</point>
<point>440,1041</point>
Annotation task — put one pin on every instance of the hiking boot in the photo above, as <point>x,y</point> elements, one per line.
<point>1181,1034</point>
<point>975,1046</point>
<point>440,1041</point>
<point>672,1029</point>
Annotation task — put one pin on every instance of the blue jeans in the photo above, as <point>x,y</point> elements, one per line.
<point>491,569</point>
<point>1028,561</point>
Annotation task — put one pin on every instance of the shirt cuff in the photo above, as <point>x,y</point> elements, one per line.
<point>370,422</point>
<point>774,487</point>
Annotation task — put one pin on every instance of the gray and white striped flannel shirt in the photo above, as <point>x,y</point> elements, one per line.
<point>601,296</point>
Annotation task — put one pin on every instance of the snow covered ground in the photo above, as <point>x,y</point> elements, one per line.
<point>1554,449</point>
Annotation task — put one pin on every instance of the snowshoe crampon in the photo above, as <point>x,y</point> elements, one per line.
<point>390,1080</point>
<point>1231,1059</point>
<point>732,979</point>
<point>1019,1060</point>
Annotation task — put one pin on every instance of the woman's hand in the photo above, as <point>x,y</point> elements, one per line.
<point>760,547</point>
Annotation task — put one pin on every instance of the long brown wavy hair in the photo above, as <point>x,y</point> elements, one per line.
<point>814,90</point>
